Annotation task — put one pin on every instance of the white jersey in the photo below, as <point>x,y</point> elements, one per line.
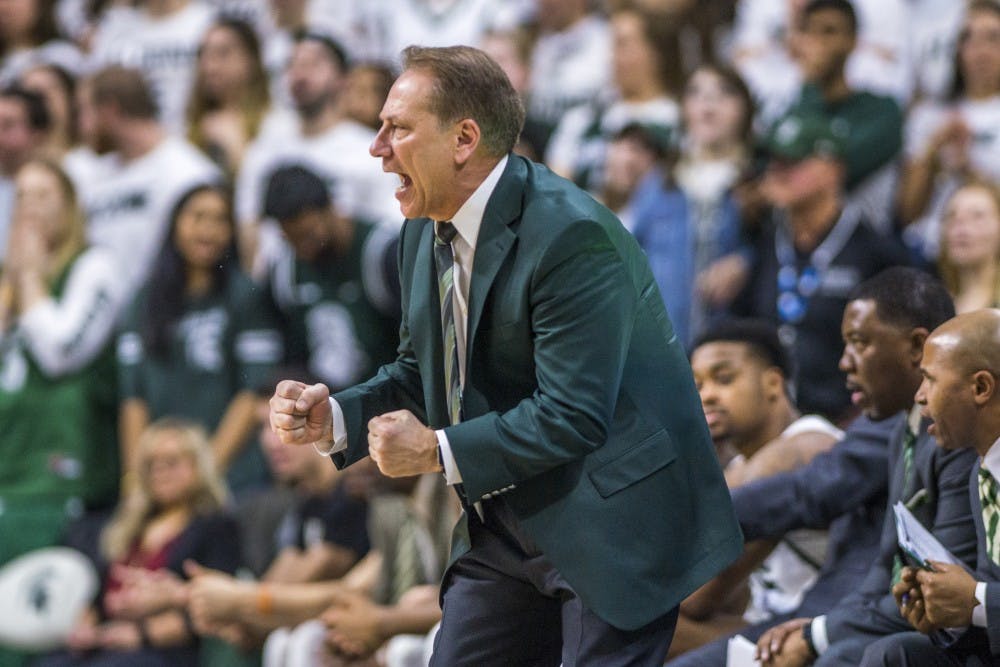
<point>388,26</point>
<point>65,334</point>
<point>781,581</point>
<point>128,204</point>
<point>569,68</point>
<point>165,49</point>
<point>358,186</point>
<point>983,119</point>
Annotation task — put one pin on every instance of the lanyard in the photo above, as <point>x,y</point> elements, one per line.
<point>797,286</point>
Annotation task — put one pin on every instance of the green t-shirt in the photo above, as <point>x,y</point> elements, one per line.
<point>58,439</point>
<point>337,318</point>
<point>872,126</point>
<point>223,343</point>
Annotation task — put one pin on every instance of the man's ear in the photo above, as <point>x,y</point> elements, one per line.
<point>918,337</point>
<point>467,136</point>
<point>773,381</point>
<point>984,387</point>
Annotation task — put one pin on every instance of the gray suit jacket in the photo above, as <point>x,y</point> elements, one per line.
<point>941,479</point>
<point>843,490</point>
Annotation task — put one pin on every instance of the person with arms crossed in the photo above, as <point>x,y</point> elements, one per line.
<point>555,394</point>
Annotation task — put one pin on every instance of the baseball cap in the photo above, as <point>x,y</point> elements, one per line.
<point>800,135</point>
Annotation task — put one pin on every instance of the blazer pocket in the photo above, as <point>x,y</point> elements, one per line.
<point>639,462</point>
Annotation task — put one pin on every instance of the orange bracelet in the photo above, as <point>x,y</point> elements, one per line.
<point>265,603</point>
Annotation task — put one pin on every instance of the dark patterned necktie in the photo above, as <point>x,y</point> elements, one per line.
<point>991,513</point>
<point>909,446</point>
<point>444,260</point>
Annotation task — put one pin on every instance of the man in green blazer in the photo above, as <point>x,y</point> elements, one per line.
<point>539,372</point>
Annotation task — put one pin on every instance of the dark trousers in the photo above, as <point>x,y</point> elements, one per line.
<point>504,604</point>
<point>912,649</point>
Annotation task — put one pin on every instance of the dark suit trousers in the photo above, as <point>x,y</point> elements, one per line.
<point>504,604</point>
<point>912,649</point>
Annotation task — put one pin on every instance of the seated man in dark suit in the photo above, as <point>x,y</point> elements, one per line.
<point>950,606</point>
<point>884,326</point>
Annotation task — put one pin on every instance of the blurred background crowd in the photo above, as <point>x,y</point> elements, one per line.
<point>188,212</point>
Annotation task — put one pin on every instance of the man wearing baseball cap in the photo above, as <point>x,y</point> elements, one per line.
<point>811,252</point>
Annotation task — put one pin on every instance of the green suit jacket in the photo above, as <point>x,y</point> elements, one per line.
<point>578,403</point>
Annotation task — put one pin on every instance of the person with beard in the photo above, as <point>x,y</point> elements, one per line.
<point>320,136</point>
<point>334,285</point>
<point>128,195</point>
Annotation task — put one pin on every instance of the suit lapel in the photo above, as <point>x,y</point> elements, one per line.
<point>494,243</point>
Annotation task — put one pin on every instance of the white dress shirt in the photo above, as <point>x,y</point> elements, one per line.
<point>467,222</point>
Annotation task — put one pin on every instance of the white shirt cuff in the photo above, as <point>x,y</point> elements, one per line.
<point>338,441</point>
<point>819,638</point>
<point>979,611</point>
<point>451,473</point>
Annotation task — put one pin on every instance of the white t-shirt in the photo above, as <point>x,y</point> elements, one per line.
<point>781,581</point>
<point>983,119</point>
<point>165,49</point>
<point>358,186</point>
<point>340,156</point>
<point>128,205</point>
<point>569,68</point>
<point>879,64</point>
<point>388,26</point>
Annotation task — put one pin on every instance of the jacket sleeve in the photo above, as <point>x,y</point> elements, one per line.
<point>835,482</point>
<point>396,386</point>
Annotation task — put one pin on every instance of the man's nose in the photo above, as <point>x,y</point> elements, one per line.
<point>379,146</point>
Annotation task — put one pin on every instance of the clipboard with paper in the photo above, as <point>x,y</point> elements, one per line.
<point>918,542</point>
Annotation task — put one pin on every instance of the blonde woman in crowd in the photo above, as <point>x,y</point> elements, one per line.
<point>171,514</point>
<point>59,301</point>
<point>970,247</point>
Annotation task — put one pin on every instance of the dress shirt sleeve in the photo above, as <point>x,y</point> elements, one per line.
<point>820,641</point>
<point>451,473</point>
<point>338,433</point>
<point>979,611</point>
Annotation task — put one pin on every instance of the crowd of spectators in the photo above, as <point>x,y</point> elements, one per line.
<point>188,211</point>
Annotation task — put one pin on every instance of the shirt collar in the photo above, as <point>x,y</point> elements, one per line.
<point>913,419</point>
<point>469,217</point>
<point>992,460</point>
